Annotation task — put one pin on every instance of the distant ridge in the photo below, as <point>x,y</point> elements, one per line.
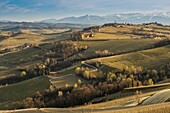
<point>5,21</point>
<point>162,17</point>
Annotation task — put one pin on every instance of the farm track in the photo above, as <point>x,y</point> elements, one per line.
<point>55,77</point>
<point>137,109</point>
<point>83,62</point>
<point>151,86</point>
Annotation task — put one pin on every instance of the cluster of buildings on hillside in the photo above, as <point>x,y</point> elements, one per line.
<point>85,33</point>
<point>91,31</point>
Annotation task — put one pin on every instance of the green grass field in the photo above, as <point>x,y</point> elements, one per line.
<point>69,79</point>
<point>9,62</point>
<point>21,90</point>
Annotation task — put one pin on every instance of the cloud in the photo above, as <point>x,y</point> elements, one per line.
<point>111,5</point>
<point>6,7</point>
<point>37,5</point>
<point>25,9</point>
<point>3,3</point>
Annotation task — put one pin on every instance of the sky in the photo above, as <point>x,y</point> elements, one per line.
<point>35,10</point>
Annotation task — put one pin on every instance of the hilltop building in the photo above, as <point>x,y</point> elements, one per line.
<point>78,35</point>
<point>85,33</point>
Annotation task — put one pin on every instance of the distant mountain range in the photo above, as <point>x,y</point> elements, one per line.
<point>162,17</point>
<point>134,18</point>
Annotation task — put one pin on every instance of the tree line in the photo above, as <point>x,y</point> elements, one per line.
<point>81,93</point>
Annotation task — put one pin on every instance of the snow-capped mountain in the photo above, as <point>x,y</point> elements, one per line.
<point>162,17</point>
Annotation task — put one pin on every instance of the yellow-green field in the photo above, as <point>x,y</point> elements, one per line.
<point>20,39</point>
<point>23,38</point>
<point>148,59</point>
<point>117,46</point>
<point>126,32</point>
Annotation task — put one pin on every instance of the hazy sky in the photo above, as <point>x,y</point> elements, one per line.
<point>31,10</point>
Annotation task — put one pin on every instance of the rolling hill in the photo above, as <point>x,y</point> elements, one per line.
<point>126,43</point>
<point>148,59</point>
<point>21,90</point>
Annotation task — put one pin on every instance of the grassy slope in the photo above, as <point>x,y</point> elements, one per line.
<point>117,46</point>
<point>9,62</point>
<point>21,90</point>
<point>156,108</point>
<point>56,37</point>
<point>21,39</point>
<point>126,32</point>
<point>112,33</point>
<point>152,58</point>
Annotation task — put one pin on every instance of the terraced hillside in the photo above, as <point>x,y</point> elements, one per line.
<point>160,97</point>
